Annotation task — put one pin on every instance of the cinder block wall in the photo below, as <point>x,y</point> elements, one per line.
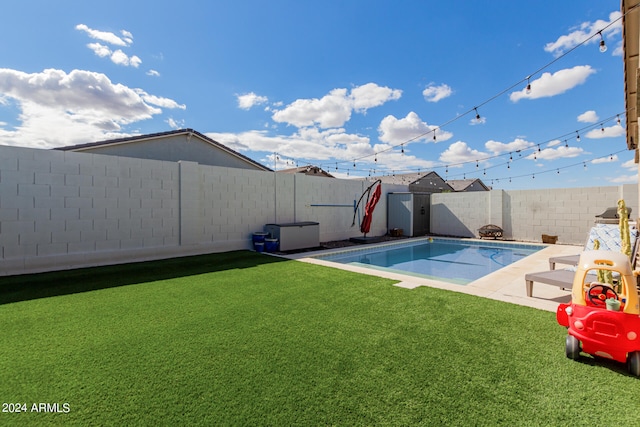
<point>63,209</point>
<point>527,214</point>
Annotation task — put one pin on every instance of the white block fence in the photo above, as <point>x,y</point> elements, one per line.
<point>62,210</point>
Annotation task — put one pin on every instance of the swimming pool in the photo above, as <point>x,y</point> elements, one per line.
<point>450,260</point>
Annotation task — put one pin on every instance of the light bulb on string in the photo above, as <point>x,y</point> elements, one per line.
<point>528,89</point>
<point>539,148</point>
<point>601,127</point>
<point>577,136</point>
<point>533,176</point>
<point>618,119</point>
<point>354,164</point>
<point>566,144</point>
<point>477,166</point>
<point>603,46</point>
<point>402,151</point>
<point>510,156</point>
<point>477,114</point>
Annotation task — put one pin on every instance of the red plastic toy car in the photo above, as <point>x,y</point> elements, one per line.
<point>603,319</point>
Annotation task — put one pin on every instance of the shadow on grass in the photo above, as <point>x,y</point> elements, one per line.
<point>43,285</point>
<point>612,365</point>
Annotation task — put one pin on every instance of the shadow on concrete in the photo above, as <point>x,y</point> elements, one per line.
<point>43,285</point>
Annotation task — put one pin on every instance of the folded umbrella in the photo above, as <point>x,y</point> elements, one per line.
<point>368,210</point>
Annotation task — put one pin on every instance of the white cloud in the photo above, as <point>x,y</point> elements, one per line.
<point>159,101</point>
<point>307,143</point>
<point>562,152</point>
<point>411,128</point>
<point>435,93</point>
<point>248,100</point>
<point>118,56</point>
<point>153,73</point>
<point>460,152</point>
<point>630,164</point>
<point>622,179</point>
<point>584,30</point>
<point>588,117</point>
<point>607,159</point>
<point>99,49</point>
<point>554,143</point>
<point>334,109</point>
<point>371,95</point>
<point>106,36</point>
<point>57,108</point>
<point>555,84</point>
<point>478,121</point>
<point>606,132</point>
<point>511,147</point>
<point>175,124</point>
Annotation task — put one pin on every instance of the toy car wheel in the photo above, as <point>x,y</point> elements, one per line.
<point>633,363</point>
<point>572,347</point>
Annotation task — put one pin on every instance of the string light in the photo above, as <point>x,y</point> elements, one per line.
<point>618,120</point>
<point>603,46</point>
<point>528,89</point>
<point>577,136</point>
<point>566,144</point>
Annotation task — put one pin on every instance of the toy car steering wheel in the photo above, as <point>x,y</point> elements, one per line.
<point>599,293</point>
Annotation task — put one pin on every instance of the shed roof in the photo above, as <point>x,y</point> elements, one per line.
<point>160,135</point>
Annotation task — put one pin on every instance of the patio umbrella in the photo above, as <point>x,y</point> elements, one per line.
<point>625,236</point>
<point>368,209</point>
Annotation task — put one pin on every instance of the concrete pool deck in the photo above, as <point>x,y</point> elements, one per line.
<point>506,284</point>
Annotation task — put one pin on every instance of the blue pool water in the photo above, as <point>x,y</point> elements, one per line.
<point>449,260</point>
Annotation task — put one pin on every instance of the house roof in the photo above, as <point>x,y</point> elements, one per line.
<point>630,36</point>
<point>152,136</point>
<point>463,184</point>
<point>308,170</point>
<point>423,179</point>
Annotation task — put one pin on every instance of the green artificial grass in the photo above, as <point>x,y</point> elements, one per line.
<point>247,339</point>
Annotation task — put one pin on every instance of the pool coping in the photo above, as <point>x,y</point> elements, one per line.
<point>506,284</point>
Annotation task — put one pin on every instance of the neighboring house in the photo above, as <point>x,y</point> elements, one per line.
<point>466,185</point>
<point>308,170</point>
<point>173,146</point>
<point>429,182</point>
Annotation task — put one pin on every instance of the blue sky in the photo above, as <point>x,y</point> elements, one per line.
<point>332,83</point>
